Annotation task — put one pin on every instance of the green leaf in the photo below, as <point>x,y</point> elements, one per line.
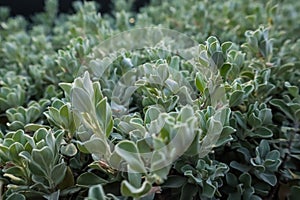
<point>163,72</point>
<point>81,100</point>
<point>226,46</point>
<point>134,179</point>
<point>188,191</point>
<point>200,82</point>
<point>295,193</point>
<point>297,114</point>
<point>95,145</point>
<point>175,62</point>
<point>50,141</point>
<point>16,196</point>
<point>58,172</point>
<point>265,115</point>
<point>34,167</point>
<point>128,190</point>
<point>264,148</point>
<point>234,196</point>
<point>4,153</point>
<point>53,196</point>
<point>231,179</point>
<point>151,114</point>
<point>68,180</point>
<point>218,58</point>
<point>194,147</point>
<point>53,114</point>
<point>69,150</point>
<point>226,67</point>
<point>64,114</point>
<point>254,121</point>
<point>89,178</point>
<point>239,166</point>
<point>42,157</point>
<point>225,136</point>
<point>16,171</point>
<point>268,178</point>
<point>262,132</point>
<point>97,192</point>
<point>293,90</point>
<point>30,127</point>
<point>104,116</point>
<point>144,145</point>
<point>273,155</point>
<point>248,89</point>
<point>115,160</point>
<point>174,181</point>
<point>15,125</point>
<point>129,152</point>
<point>208,189</point>
<point>210,140</point>
<point>40,134</point>
<point>236,98</point>
<point>281,105</point>
<point>14,150</point>
<point>87,84</point>
<point>246,179</point>
<point>98,96</point>
<point>66,88</point>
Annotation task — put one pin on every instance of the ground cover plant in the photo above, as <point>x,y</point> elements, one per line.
<point>211,90</point>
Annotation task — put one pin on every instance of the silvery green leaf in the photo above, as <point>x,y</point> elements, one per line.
<point>262,132</point>
<point>188,191</point>
<point>96,192</point>
<point>236,98</point>
<point>254,121</point>
<point>231,179</point>
<point>128,190</point>
<point>53,196</point>
<point>268,178</point>
<point>81,100</point>
<point>58,172</point>
<point>208,189</point>
<point>16,196</point>
<point>69,150</point>
<point>218,58</point>
<point>129,152</point>
<point>104,116</point>
<point>200,82</point>
<point>88,179</point>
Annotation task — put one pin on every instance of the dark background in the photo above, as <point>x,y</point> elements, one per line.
<point>30,7</point>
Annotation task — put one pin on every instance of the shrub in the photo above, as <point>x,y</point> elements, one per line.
<point>204,105</point>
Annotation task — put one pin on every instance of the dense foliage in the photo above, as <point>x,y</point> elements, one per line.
<point>70,116</point>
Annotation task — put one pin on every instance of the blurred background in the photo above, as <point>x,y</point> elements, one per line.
<point>27,8</point>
